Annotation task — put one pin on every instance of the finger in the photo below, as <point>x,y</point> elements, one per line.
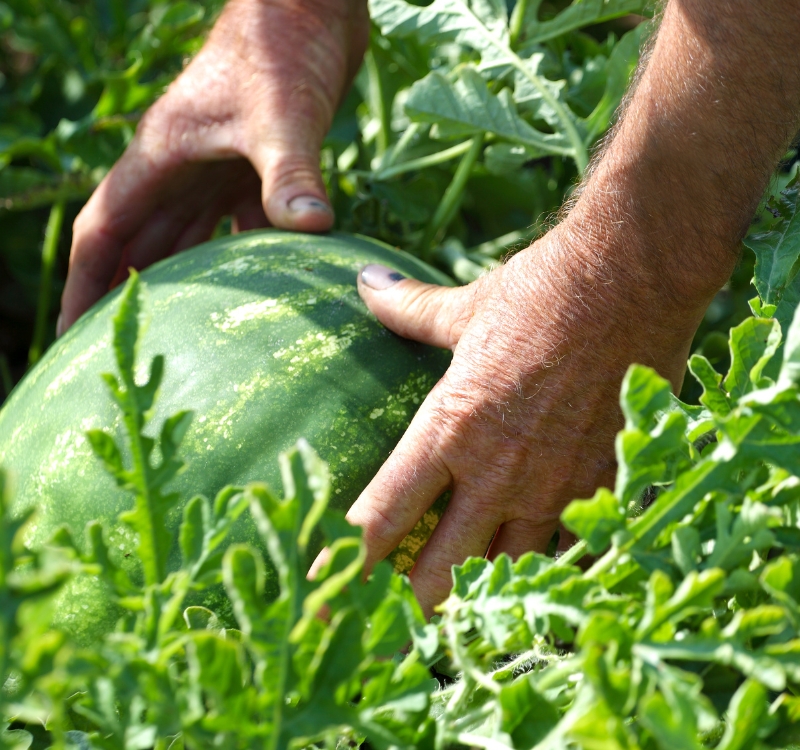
<point>249,215</point>
<point>196,232</point>
<point>432,314</point>
<point>292,191</point>
<point>517,537</point>
<point>403,490</point>
<point>94,258</point>
<point>113,215</point>
<point>154,240</point>
<point>462,532</point>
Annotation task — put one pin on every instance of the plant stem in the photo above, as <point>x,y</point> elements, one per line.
<point>497,247</point>
<point>452,258</point>
<point>451,199</point>
<point>378,103</point>
<point>572,555</point>
<point>412,165</point>
<point>49,249</point>
<point>393,154</point>
<point>517,21</point>
<point>440,157</point>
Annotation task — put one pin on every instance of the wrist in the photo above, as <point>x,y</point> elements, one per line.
<point>630,229</point>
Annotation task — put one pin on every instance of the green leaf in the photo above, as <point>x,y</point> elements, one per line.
<point>790,368</point>
<point>503,158</point>
<point>244,575</point>
<point>480,24</point>
<point>619,71</point>
<point>467,107</point>
<point>695,592</point>
<point>686,548</point>
<point>531,88</point>
<point>148,516</point>
<point>652,458</point>
<point>670,721</point>
<point>105,448</point>
<point>714,397</point>
<point>595,520</point>
<point>192,530</point>
<point>217,665</point>
<point>781,578</point>
<point>644,394</point>
<point>528,717</point>
<point>778,251</point>
<point>746,713</point>
<point>575,16</point>
<point>753,343</point>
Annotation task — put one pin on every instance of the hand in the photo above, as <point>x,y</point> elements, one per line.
<point>525,417</point>
<point>238,132</point>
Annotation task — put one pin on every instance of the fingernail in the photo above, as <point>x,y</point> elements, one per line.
<point>305,203</point>
<point>60,325</point>
<point>380,277</point>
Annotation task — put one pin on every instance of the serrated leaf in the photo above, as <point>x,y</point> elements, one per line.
<point>746,712</point>
<point>575,16</point>
<point>670,719</point>
<point>595,520</point>
<point>467,107</point>
<point>650,458</point>
<point>216,664</point>
<point>481,24</point>
<point>483,27</point>
<point>244,575</point>
<point>713,396</point>
<point>778,251</point>
<point>752,343</point>
<point>105,448</point>
<point>345,562</point>
<point>644,394</point>
<point>530,97</point>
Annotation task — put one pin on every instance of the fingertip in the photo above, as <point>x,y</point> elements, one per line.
<point>375,277</point>
<point>301,213</point>
<point>411,308</point>
<point>318,564</point>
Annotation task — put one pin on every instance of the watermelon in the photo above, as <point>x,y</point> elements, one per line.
<point>267,340</point>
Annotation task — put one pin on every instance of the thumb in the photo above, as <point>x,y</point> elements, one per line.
<point>432,314</point>
<point>293,192</point>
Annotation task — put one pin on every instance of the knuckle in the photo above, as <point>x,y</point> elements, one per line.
<point>433,577</point>
<point>284,167</point>
<point>379,528</point>
<point>79,225</point>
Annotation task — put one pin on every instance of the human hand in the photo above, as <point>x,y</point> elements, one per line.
<point>525,417</point>
<point>238,132</point>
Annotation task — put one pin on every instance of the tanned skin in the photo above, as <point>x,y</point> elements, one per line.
<point>525,417</point>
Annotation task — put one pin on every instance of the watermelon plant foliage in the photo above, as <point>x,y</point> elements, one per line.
<point>682,630</point>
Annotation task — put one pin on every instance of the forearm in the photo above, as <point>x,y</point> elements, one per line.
<point>714,110</point>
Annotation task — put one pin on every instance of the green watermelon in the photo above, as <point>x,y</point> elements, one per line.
<point>267,340</point>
